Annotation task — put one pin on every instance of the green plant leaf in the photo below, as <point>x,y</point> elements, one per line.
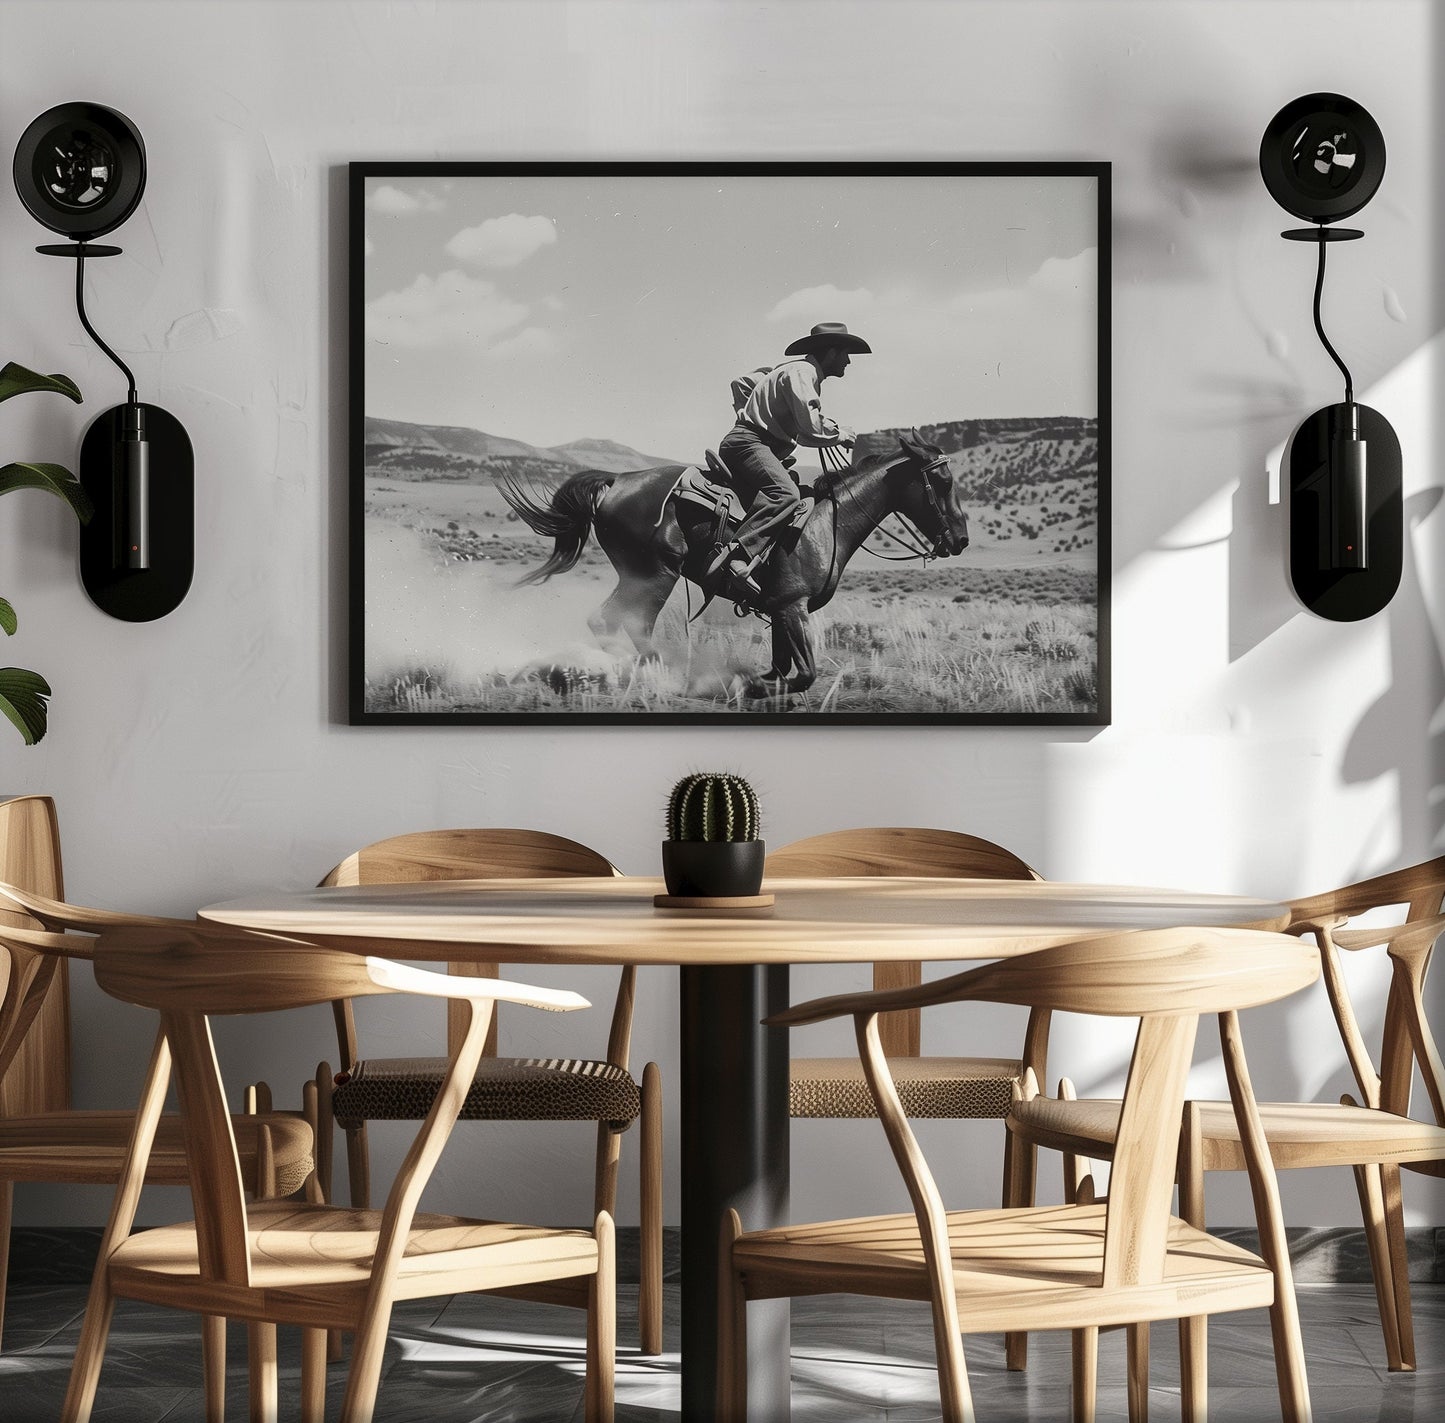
<point>17,380</point>
<point>54,477</point>
<point>22,699</point>
<point>7,618</point>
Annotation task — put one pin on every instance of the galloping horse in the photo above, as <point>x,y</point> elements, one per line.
<point>652,541</point>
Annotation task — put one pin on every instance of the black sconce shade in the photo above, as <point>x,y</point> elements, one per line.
<point>1322,157</point>
<point>80,170</point>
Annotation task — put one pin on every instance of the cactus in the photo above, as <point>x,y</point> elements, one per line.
<point>712,807</point>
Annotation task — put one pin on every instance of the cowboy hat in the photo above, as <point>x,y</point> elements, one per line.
<point>829,333</point>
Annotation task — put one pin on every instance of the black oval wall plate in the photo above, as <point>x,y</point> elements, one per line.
<point>139,595</point>
<point>1345,596</point>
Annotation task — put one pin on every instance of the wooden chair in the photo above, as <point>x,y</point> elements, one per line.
<point>950,1087</point>
<point>1077,1266</point>
<point>39,1076</point>
<point>89,1147</point>
<point>1373,1133</point>
<point>311,1264</point>
<point>507,1088</point>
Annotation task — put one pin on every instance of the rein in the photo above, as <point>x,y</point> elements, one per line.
<point>916,541</point>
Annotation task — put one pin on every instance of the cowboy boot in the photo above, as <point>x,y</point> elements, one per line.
<point>734,572</point>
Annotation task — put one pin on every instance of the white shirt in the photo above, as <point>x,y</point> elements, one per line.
<point>785,403</point>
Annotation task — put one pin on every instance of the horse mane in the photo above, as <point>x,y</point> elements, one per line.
<point>826,484</point>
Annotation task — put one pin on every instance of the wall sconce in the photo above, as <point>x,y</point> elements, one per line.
<point>80,170</point>
<point>1322,159</point>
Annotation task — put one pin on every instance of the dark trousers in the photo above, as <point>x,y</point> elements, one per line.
<point>769,493</point>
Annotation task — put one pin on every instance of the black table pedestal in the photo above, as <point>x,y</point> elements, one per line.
<point>734,1113</point>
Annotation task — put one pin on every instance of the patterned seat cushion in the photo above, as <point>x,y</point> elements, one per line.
<point>927,1086</point>
<point>513,1089</point>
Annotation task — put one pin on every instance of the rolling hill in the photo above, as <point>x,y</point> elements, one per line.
<point>1028,482</point>
<point>405,451</point>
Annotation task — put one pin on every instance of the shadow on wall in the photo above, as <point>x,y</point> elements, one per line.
<point>1401,733</point>
<point>1389,737</point>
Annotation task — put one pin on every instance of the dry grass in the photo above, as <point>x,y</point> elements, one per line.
<point>876,653</point>
<point>1007,628</point>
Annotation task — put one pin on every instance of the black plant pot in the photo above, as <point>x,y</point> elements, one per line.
<point>713,869</point>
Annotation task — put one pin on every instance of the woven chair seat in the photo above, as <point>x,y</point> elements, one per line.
<point>952,1087</point>
<point>509,1089</point>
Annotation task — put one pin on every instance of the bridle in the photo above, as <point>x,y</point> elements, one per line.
<point>918,544</point>
<point>931,494</point>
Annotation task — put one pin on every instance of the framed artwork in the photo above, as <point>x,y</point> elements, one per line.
<point>571,382</point>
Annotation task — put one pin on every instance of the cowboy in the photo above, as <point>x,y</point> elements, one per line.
<point>775,413</point>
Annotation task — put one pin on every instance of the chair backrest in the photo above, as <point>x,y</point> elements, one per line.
<point>1166,978</point>
<point>38,1079</point>
<point>898,850</point>
<point>468,854</point>
<point>191,973</point>
<point>1405,1039</point>
<point>29,961</point>
<point>490,853</point>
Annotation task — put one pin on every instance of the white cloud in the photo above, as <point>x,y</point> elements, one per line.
<point>1058,280</point>
<point>529,341</point>
<point>503,241</point>
<point>370,245</point>
<point>1027,348</point>
<point>434,311</point>
<point>811,305</point>
<point>1067,275</point>
<point>392,202</point>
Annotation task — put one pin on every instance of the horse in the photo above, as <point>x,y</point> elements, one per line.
<point>653,540</point>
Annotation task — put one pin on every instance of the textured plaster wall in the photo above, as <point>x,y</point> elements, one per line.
<point>1254,749</point>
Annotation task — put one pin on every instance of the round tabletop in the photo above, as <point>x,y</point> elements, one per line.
<point>584,920</point>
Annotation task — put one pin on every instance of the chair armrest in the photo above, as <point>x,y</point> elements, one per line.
<point>40,941</point>
<point>1304,920</point>
<point>56,914</point>
<point>1141,972</point>
<point>403,978</point>
<point>877,1000</point>
<point>1413,932</point>
<point>1417,882</point>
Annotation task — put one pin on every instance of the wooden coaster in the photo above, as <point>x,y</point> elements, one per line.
<point>712,901</point>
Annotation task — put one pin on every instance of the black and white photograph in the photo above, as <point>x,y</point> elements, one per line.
<point>711,442</point>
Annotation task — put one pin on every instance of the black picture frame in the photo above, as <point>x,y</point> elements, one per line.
<point>420,581</point>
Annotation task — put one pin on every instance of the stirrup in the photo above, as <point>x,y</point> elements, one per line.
<point>722,558</point>
<point>741,587</point>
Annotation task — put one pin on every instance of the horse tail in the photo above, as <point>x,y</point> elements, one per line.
<point>567,518</point>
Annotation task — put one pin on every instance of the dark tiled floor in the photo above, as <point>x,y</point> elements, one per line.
<point>474,1358</point>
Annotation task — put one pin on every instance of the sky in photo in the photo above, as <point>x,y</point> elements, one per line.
<point>550,309</point>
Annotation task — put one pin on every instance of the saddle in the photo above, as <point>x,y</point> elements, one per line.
<point>715,496</point>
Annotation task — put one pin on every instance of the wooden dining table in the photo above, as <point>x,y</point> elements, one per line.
<point>733,1088</point>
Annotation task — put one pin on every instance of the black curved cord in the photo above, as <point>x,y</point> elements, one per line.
<point>95,335</point>
<point>1325,340</point>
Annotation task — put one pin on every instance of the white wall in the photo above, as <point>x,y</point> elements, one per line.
<point>1254,749</point>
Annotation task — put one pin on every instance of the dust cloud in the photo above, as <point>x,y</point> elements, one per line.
<point>468,619</point>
